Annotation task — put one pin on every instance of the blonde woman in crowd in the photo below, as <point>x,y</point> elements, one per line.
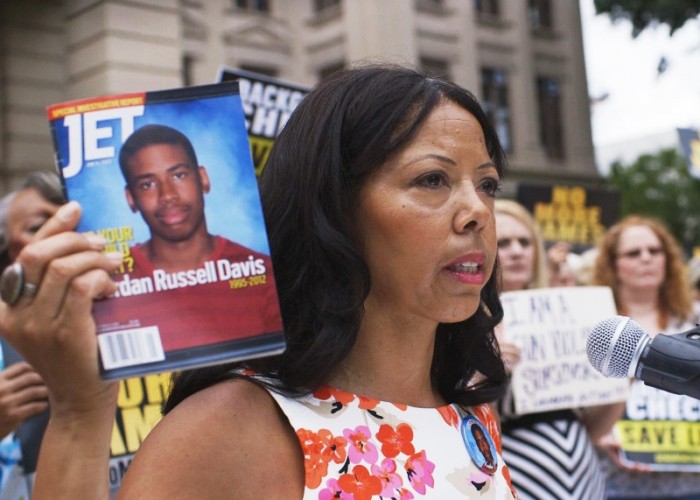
<point>642,263</point>
<point>550,454</point>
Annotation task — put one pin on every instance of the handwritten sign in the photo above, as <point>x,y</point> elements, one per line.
<point>551,326</point>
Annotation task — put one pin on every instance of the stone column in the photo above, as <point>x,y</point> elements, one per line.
<point>32,76</point>
<point>116,46</point>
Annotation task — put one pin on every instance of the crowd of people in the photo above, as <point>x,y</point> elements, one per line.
<point>390,253</point>
<point>640,260</point>
<point>653,283</point>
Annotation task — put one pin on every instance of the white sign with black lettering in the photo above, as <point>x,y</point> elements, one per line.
<point>551,326</point>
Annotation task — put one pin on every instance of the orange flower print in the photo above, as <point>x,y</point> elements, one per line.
<point>367,403</point>
<point>361,484</point>
<point>420,472</point>
<point>449,415</point>
<point>395,441</point>
<point>370,404</point>
<point>315,469</point>
<point>325,393</point>
<point>359,445</point>
<point>505,471</point>
<point>310,442</point>
<point>386,472</point>
<point>334,447</point>
<point>315,462</point>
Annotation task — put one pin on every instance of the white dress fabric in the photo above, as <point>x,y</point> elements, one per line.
<point>359,448</point>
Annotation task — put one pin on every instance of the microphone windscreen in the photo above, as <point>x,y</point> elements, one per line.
<point>612,345</point>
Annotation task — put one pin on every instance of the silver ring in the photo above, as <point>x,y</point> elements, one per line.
<point>13,286</point>
<point>29,290</point>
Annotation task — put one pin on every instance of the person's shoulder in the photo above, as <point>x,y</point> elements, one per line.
<point>242,394</point>
<point>229,437</point>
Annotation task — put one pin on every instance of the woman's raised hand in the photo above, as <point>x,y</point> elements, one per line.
<point>54,330</point>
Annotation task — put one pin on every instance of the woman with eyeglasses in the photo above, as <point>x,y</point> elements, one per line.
<point>640,260</point>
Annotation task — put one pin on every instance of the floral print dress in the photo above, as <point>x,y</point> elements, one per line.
<point>360,448</point>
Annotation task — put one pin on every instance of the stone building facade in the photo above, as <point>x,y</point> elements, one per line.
<point>522,58</point>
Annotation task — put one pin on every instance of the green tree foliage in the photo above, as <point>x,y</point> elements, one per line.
<point>642,13</point>
<point>661,186</point>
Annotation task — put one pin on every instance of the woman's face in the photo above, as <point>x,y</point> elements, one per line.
<point>425,221</point>
<point>640,259</point>
<point>516,252</point>
<point>27,213</point>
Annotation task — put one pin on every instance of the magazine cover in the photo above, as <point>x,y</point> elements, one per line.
<point>166,177</point>
<point>267,104</point>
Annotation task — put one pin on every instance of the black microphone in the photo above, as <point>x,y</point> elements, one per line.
<point>619,347</point>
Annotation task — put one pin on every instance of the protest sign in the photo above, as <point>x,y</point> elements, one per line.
<point>551,326</point>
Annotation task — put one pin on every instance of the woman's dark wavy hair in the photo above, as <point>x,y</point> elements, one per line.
<point>342,132</point>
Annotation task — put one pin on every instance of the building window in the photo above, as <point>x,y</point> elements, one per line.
<point>320,5</point>
<point>487,7</point>
<point>187,70</point>
<point>494,91</point>
<point>258,5</point>
<point>551,126</point>
<point>430,6</point>
<point>437,68</point>
<point>540,12</point>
